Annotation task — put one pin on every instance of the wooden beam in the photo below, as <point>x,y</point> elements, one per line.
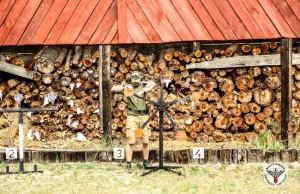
<point>100,87</point>
<point>286,92</point>
<point>106,93</point>
<point>16,70</point>
<point>242,61</point>
<point>122,20</point>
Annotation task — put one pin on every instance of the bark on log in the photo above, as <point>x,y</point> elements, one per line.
<point>77,56</point>
<point>59,60</point>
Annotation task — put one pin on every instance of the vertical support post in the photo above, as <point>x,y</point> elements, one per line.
<point>161,127</point>
<point>195,46</point>
<point>286,93</point>
<point>21,138</point>
<point>100,87</point>
<point>106,93</point>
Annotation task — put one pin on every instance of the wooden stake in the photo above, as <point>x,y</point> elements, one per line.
<point>106,92</point>
<point>286,93</point>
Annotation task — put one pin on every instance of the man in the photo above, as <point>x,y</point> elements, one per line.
<point>136,115</point>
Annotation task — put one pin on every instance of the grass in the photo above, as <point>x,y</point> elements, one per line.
<point>112,178</point>
<point>266,141</point>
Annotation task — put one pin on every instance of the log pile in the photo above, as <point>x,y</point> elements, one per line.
<point>227,104</point>
<point>72,74</point>
<point>295,87</point>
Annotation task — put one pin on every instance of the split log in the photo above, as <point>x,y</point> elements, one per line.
<point>208,130</point>
<point>254,107</point>
<point>47,78</point>
<point>244,82</point>
<point>245,107</point>
<point>263,97</point>
<point>122,52</point>
<point>223,122</point>
<point>59,60</point>
<point>245,96</point>
<point>218,136</point>
<point>87,56</point>
<point>260,127</point>
<point>168,56</point>
<point>202,138</point>
<point>226,85</point>
<point>231,50</point>
<point>36,57</point>
<point>250,119</point>
<point>246,48</point>
<point>21,60</point>
<point>273,81</point>
<point>77,56</point>
<point>13,82</point>
<point>45,65</point>
<point>198,126</point>
<point>68,61</point>
<point>256,51</point>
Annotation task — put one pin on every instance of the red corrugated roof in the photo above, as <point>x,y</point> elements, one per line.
<point>48,22</point>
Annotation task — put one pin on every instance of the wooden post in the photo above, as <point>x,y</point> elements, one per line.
<point>106,93</point>
<point>195,46</point>
<point>100,87</point>
<point>286,93</point>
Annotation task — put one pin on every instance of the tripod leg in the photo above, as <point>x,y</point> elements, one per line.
<point>149,119</point>
<point>150,171</point>
<point>172,122</point>
<point>173,171</point>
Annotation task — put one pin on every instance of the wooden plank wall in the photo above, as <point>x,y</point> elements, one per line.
<point>211,156</point>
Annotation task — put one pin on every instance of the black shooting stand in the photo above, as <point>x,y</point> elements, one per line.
<point>18,98</point>
<point>161,107</point>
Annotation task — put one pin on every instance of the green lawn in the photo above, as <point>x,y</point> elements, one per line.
<point>112,178</point>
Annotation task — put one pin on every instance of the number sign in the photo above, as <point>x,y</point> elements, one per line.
<point>198,153</point>
<point>119,153</point>
<point>11,153</point>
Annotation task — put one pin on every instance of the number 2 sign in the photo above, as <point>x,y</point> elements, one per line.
<point>119,153</point>
<point>11,153</point>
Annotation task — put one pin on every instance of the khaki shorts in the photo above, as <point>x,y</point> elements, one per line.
<point>134,122</point>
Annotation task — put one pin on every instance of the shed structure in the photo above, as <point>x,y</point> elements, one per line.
<point>108,22</point>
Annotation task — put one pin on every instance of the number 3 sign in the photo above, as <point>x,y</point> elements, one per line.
<point>119,153</point>
<point>11,153</point>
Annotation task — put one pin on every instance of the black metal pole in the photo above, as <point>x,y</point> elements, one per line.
<point>161,119</point>
<point>21,138</point>
<point>161,147</point>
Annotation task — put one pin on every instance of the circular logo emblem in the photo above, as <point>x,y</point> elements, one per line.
<point>275,174</point>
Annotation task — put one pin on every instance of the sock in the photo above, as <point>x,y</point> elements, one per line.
<point>145,161</point>
<point>128,163</point>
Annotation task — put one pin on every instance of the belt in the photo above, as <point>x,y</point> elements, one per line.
<point>138,111</point>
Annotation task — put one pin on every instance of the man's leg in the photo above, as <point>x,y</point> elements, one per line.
<point>129,151</point>
<point>145,151</point>
<point>145,140</point>
<point>130,126</point>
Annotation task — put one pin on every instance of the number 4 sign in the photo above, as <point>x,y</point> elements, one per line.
<point>119,153</point>
<point>11,153</point>
<point>198,153</point>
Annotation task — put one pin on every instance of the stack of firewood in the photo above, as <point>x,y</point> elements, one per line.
<point>295,87</point>
<point>70,73</point>
<point>229,104</point>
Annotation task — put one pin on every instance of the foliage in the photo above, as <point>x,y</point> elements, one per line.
<point>266,140</point>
